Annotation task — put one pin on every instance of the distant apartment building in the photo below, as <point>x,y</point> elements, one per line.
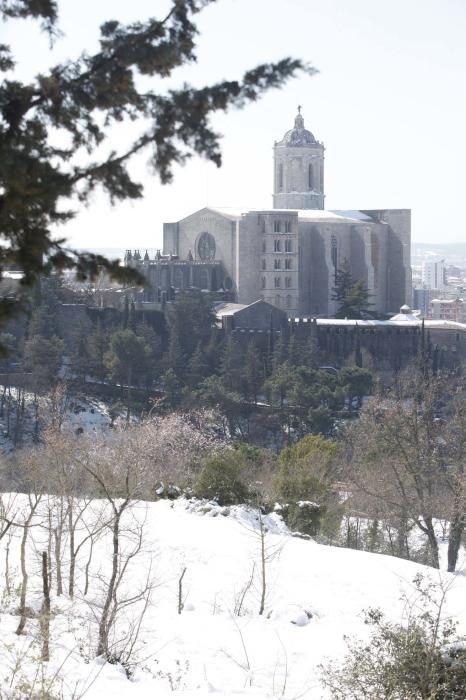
<point>434,275</point>
<point>421,300</point>
<point>448,310</point>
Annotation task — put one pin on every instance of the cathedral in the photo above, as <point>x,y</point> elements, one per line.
<point>289,255</point>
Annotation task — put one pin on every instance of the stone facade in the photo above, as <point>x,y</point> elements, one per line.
<point>288,256</point>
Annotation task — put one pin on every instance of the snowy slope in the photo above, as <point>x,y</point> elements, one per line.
<point>315,596</point>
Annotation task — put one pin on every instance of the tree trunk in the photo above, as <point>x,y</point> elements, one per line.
<point>128,399</point>
<point>72,551</point>
<point>45,610</point>
<point>2,402</point>
<point>102,647</point>
<point>180,592</point>
<point>7,569</point>
<point>24,580</point>
<point>8,413</point>
<point>49,547</point>
<point>263,563</point>
<point>86,571</point>
<point>432,540</point>
<point>454,540</point>
<point>57,540</point>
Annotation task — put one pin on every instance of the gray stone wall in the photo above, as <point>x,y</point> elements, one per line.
<point>223,230</point>
<point>398,256</point>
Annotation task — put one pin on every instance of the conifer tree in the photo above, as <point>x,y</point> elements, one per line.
<point>352,296</point>
<point>82,99</point>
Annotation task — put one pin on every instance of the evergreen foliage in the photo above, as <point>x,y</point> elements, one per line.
<point>83,99</point>
<point>304,482</point>
<point>220,480</point>
<point>419,659</point>
<point>352,296</point>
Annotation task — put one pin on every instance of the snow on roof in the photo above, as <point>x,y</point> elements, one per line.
<point>320,215</point>
<point>403,317</point>
<point>398,320</point>
<point>230,212</point>
<point>324,215</point>
<point>13,275</point>
<point>352,214</point>
<point>228,309</point>
<point>444,301</point>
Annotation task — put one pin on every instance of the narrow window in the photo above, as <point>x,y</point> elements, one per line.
<point>288,226</point>
<point>277,226</point>
<point>288,246</point>
<point>263,282</point>
<point>310,176</point>
<point>277,264</point>
<point>263,246</point>
<point>276,246</point>
<point>280,176</point>
<point>288,282</point>
<point>263,264</point>
<point>289,303</point>
<point>334,255</point>
<point>277,300</point>
<point>288,264</point>
<point>277,283</point>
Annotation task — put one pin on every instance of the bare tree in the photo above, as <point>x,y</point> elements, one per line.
<point>119,475</point>
<point>33,501</point>
<point>45,610</point>
<point>407,458</point>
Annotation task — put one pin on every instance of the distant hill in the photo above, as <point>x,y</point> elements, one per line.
<point>439,248</point>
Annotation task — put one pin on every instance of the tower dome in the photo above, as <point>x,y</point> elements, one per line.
<point>298,136</point>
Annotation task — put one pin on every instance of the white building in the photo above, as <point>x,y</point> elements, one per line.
<point>434,274</point>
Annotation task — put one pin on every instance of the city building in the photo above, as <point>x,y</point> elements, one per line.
<point>287,256</point>
<point>434,274</point>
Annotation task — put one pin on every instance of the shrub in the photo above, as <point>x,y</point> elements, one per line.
<point>417,660</point>
<point>304,516</point>
<point>305,482</point>
<point>220,480</point>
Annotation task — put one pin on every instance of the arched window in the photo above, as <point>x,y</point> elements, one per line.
<point>277,225</point>
<point>334,254</point>
<point>280,176</point>
<point>263,282</point>
<point>310,176</point>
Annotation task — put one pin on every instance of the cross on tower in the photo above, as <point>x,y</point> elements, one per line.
<point>299,109</point>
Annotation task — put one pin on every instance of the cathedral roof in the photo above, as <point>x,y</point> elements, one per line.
<point>298,136</point>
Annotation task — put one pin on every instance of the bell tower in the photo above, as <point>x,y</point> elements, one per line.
<point>298,169</point>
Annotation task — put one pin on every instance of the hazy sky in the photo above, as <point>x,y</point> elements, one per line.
<point>389,103</point>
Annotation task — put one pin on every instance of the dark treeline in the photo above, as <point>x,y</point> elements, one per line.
<point>136,361</point>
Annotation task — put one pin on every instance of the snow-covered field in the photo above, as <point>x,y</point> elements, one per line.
<point>316,594</point>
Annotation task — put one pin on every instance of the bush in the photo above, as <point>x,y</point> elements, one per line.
<point>220,480</point>
<point>304,516</point>
<point>305,482</point>
<point>417,660</point>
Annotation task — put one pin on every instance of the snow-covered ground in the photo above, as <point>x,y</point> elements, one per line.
<point>316,594</point>
<point>82,415</point>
